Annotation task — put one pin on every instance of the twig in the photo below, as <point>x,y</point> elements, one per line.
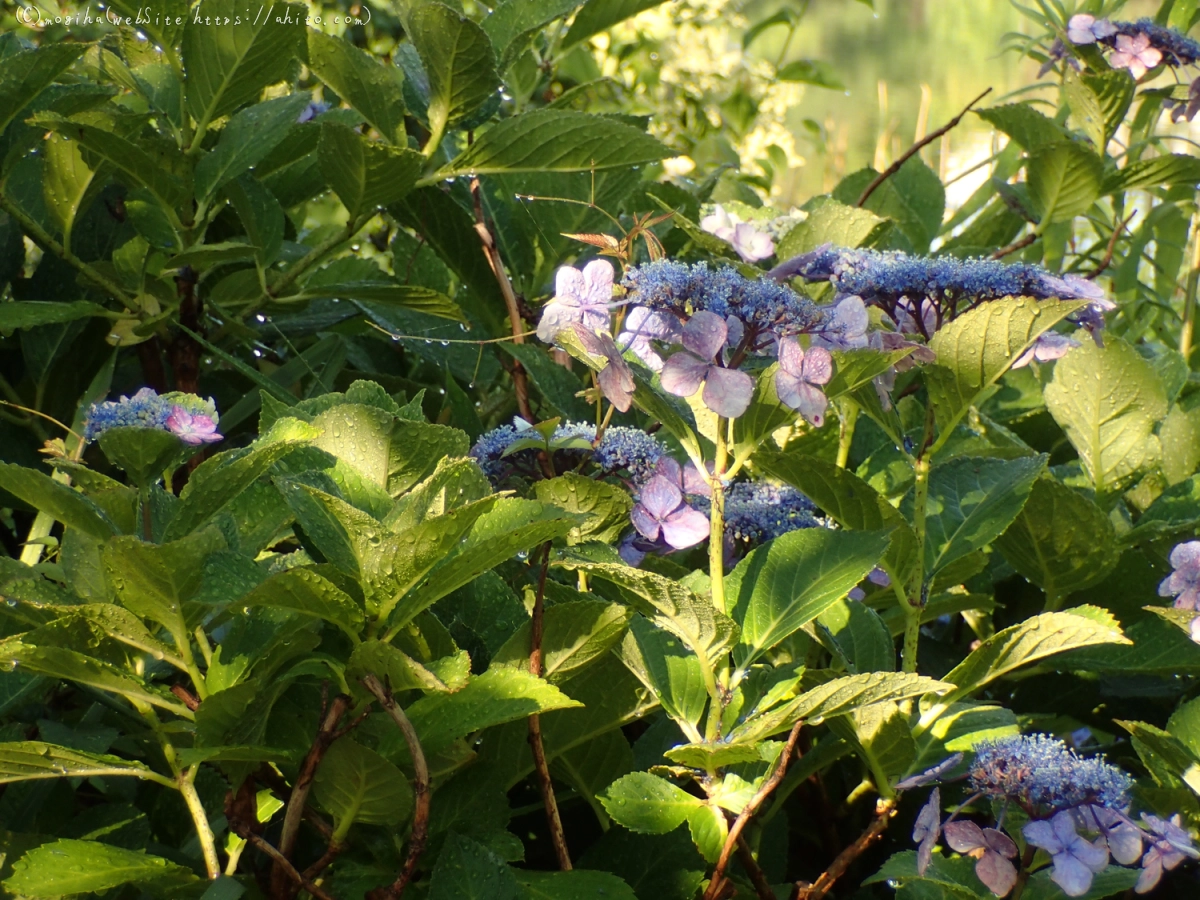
<point>281,863</point>
<point>558,837</point>
<point>1106,260</point>
<point>520,385</point>
<point>717,885</point>
<point>884,812</point>
<point>189,699</point>
<point>331,853</point>
<point>327,733</point>
<point>915,149</point>
<point>280,788</point>
<point>1016,245</point>
<point>420,826</point>
<point>758,878</point>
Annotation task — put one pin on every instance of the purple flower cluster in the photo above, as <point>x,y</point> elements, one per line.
<point>191,419</point>
<point>758,511</point>
<point>1067,797</point>
<point>1184,583</point>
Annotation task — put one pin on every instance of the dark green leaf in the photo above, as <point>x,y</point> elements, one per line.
<point>375,89</point>
<point>365,174</point>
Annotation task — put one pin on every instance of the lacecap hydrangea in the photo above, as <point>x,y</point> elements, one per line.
<point>192,419</point>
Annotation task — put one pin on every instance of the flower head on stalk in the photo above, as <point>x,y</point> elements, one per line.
<point>799,378</point>
<point>727,392</point>
<point>1076,860</point>
<point>621,449</point>
<point>616,378</point>
<point>187,416</point>
<point>580,296</point>
<point>661,511</point>
<point>1184,583</point>
<point>1042,774</point>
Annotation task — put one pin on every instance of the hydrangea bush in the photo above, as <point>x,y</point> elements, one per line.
<point>574,529</point>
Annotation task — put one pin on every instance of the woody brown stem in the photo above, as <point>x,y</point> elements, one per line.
<point>758,878</point>
<point>282,864</point>
<point>716,887</point>
<point>884,811</point>
<point>558,836</point>
<point>1019,244</point>
<point>420,826</point>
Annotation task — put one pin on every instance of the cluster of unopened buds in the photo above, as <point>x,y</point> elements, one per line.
<point>192,419</point>
<point>1067,798</point>
<point>1137,46</point>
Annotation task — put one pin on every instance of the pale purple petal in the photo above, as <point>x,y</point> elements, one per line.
<point>1041,834</point>
<point>694,482</point>
<point>811,404</point>
<point>660,498</point>
<point>1194,629</point>
<point>705,334</point>
<point>999,842</point>
<point>880,577</point>
<point>997,873</point>
<point>1025,358</point>
<point>736,329</point>
<point>1071,875</point>
<point>617,384</point>
<point>556,317</point>
<point>791,357</point>
<point>727,392</point>
<point>569,286</point>
<point>817,367</point>
<point>847,326</point>
<point>750,243</point>
<point>597,283</point>
<point>963,836</point>
<point>668,468</point>
<point>685,527</point>
<point>927,828</point>
<point>645,522</point>
<point>719,223</point>
<point>1079,29</point>
<point>1152,870</point>
<point>192,429</point>
<point>930,775</point>
<point>683,373</point>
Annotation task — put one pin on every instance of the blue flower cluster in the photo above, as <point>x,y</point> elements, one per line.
<point>621,448</point>
<point>1177,49</point>
<point>761,304</point>
<point>186,415</point>
<point>758,511</point>
<point>1042,774</point>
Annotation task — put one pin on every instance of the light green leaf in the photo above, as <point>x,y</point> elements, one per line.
<point>882,736</point>
<point>831,221</point>
<point>578,884</point>
<point>417,449</point>
<point>1024,124</point>
<point>67,182</point>
<point>1108,402</point>
<point>144,453</point>
<point>32,313</point>
<point>68,506</point>
<point>389,293</point>
<point>859,636</point>
<point>1172,168</point>
<point>373,88</point>
<point>555,140</point>
<point>454,483</point>
<point>605,506</point>
<point>647,804</point>
<point>709,829</point>
<point>33,760</point>
<point>1180,437</point>
<point>228,67</point>
<point>27,73</point>
<point>945,879</point>
<point>1086,112</point>
<point>459,61</point>
<point>245,141</point>
<point>781,587</point>
<point>356,784</point>
<point>574,634</point>
<point>913,198</point>
<point>365,174</point>
<point>513,22</point>
<point>84,867</point>
<point>959,729</point>
<point>392,666</point>
<point>593,766</point>
<point>1061,541</point>
<point>669,670</point>
<point>261,216</point>
<point>306,592</point>
<point>1018,645</point>
<point>600,15</point>
<point>495,697</point>
<point>971,502</point>
<point>1064,180</point>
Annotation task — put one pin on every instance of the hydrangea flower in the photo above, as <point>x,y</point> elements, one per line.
<point>1135,54</point>
<point>927,829</point>
<point>1049,346</point>
<point>1042,774</point>
<point>616,378</point>
<point>579,296</point>
<point>1076,859</point>
<point>192,429</point>
<point>727,392</point>
<point>846,327</point>
<point>992,849</point>
<point>662,512</point>
<point>643,325</point>
<point>798,380</point>
<point>1124,839</point>
<point>1184,583</point>
<point>1085,29</point>
<point>758,511</point>
<point>1170,846</point>
<point>748,241</point>
<point>687,477</point>
<point>906,319</point>
<point>620,448</point>
<point>194,420</point>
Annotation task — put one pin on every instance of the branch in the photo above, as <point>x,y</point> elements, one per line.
<point>557,836</point>
<point>327,733</point>
<point>420,826</point>
<point>716,886</point>
<point>1016,245</point>
<point>520,385</point>
<point>884,812</point>
<point>281,863</point>
<point>315,255</point>
<point>1106,261</point>
<point>915,149</point>
<point>758,878</point>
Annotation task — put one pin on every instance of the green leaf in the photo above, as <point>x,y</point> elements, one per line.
<point>513,22</point>
<point>144,453</point>
<point>68,506</point>
<point>1176,510</point>
<point>600,15</point>
<point>831,221</point>
<point>960,728</point>
<point>356,784</point>
<point>1064,180</point>
<point>245,141</point>
<point>912,197</point>
<point>1169,760</point>
<point>459,61</point>
<point>858,636</point>
<point>578,884</point>
<point>83,867</point>
<point>575,633</point>
<point>593,766</point>
<point>605,506</point>
<point>1108,402</point>
<point>1086,112</point>
<point>391,665</point>
<point>647,804</point>
<point>1172,168</point>
<point>261,216</point>
<point>365,174</point>
<point>1113,91</point>
<point>495,697</point>
<point>971,502</point>
<point>855,368</point>
<point>945,879</point>
<point>1061,541</point>
<point>977,348</point>
<point>306,592</point>
<point>810,71</point>
<point>228,67</point>
<point>1034,639</point>
<point>417,448</point>
<point>555,140</point>
<point>467,870</point>
<point>1024,124</point>
<point>709,829</point>
<point>669,670</point>
<point>883,738</point>
<point>374,89</point>
<point>781,587</point>
<point>557,385</point>
<point>389,293</point>
<point>672,607</point>
<point>219,480</point>
<point>1112,882</point>
<point>454,483</point>
<point>32,313</point>
<point>33,760</point>
<point>27,73</point>
<point>68,182</point>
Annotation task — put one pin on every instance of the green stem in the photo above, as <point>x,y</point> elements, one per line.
<point>1189,299</point>
<point>208,841</point>
<point>317,253</point>
<point>916,599</point>
<point>1053,599</point>
<point>42,238</point>
<point>849,419</point>
<point>43,523</point>
<point>716,520</point>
